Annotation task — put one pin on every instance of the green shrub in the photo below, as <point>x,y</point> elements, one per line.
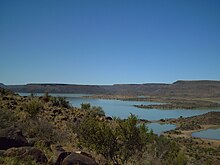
<point>40,129</point>
<point>116,143</point>
<point>33,107</point>
<point>7,118</point>
<point>99,137</point>
<point>132,138</point>
<point>166,150</point>
<point>16,161</point>
<point>85,106</point>
<point>60,102</point>
<point>97,111</point>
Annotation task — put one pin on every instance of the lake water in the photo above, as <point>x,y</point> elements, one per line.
<point>123,109</point>
<point>212,133</point>
<point>160,128</point>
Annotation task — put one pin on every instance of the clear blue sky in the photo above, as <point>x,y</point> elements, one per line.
<point>109,41</point>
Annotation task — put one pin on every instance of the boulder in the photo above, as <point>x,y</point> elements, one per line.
<point>27,152</point>
<point>12,137</point>
<point>62,155</point>
<point>78,159</point>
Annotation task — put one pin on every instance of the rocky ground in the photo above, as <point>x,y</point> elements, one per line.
<point>197,149</point>
<point>43,138</point>
<point>44,130</point>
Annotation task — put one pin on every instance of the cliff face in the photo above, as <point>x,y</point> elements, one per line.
<point>203,88</point>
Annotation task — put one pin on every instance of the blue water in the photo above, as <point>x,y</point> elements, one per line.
<point>212,133</point>
<point>123,109</point>
<point>160,128</point>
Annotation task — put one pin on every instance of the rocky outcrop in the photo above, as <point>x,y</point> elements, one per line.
<point>11,137</point>
<point>25,153</point>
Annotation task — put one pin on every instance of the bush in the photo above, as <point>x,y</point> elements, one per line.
<point>85,106</point>
<point>97,111</point>
<point>7,118</point>
<point>94,110</point>
<point>132,138</point>
<point>16,161</point>
<point>40,129</point>
<point>99,137</point>
<point>166,150</point>
<point>116,143</point>
<point>60,102</point>
<point>33,107</point>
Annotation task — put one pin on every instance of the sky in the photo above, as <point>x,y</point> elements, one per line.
<point>109,42</point>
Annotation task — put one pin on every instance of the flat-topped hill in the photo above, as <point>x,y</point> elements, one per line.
<point>57,88</point>
<point>201,88</point>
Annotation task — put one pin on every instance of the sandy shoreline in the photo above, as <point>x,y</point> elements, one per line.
<point>188,134</point>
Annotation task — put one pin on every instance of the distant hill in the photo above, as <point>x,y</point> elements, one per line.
<point>202,88</point>
<point>58,88</point>
<point>134,89</point>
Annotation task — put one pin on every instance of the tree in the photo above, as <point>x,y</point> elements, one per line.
<point>98,136</point>
<point>132,138</point>
<point>116,141</point>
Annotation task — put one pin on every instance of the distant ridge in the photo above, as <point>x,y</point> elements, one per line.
<point>180,88</point>
<point>57,88</point>
<point>205,82</point>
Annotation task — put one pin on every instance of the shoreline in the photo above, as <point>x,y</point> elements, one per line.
<point>164,103</point>
<point>188,134</point>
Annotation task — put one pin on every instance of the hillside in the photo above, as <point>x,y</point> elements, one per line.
<point>203,88</point>
<point>135,89</point>
<point>57,88</point>
<point>47,130</point>
<point>199,89</point>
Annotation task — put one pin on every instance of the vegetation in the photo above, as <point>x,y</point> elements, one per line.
<point>93,111</point>
<point>7,118</point>
<point>33,107</point>
<point>48,122</point>
<point>16,161</point>
<point>117,143</point>
<point>60,102</point>
<point>85,106</point>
